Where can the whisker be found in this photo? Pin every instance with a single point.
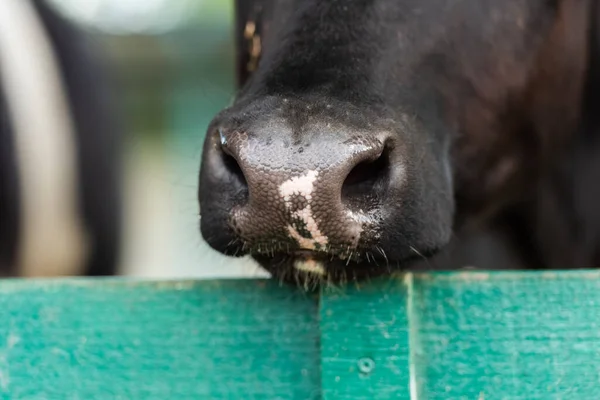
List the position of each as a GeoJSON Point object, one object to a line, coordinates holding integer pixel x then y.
{"type": "Point", "coordinates": [297, 277]}
{"type": "Point", "coordinates": [427, 261]}
{"type": "Point", "coordinates": [374, 259]}
{"type": "Point", "coordinates": [306, 282]}
{"type": "Point", "coordinates": [384, 255]}
{"type": "Point", "coordinates": [417, 252]}
{"type": "Point", "coordinates": [315, 283]}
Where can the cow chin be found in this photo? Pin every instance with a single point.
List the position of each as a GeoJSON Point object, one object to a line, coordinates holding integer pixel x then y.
{"type": "Point", "coordinates": [314, 269]}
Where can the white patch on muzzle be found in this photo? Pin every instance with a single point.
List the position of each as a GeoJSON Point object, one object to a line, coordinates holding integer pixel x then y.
{"type": "Point", "coordinates": [303, 185]}
{"type": "Point", "coordinates": [52, 237]}
{"type": "Point", "coordinates": [310, 266]}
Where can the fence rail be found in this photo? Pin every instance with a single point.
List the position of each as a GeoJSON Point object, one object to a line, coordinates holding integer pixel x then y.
{"type": "Point", "coordinates": [501, 335]}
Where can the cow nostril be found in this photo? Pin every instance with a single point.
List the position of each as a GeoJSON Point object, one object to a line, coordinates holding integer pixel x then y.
{"type": "Point", "coordinates": [366, 181]}
{"type": "Point", "coordinates": [234, 170]}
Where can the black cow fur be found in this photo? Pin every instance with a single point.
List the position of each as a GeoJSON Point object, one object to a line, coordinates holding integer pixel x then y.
{"type": "Point", "coordinates": [512, 87]}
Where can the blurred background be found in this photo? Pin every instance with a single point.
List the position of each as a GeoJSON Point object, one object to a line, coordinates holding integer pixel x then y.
{"type": "Point", "coordinates": [174, 62]}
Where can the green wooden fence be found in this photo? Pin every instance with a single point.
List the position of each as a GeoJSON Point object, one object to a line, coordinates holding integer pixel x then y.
{"type": "Point", "coordinates": [503, 335]}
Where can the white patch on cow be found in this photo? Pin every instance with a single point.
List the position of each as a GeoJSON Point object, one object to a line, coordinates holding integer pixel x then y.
{"type": "Point", "coordinates": [311, 225]}
{"type": "Point", "coordinates": [303, 185]}
{"type": "Point", "coordinates": [299, 185]}
{"type": "Point", "coordinates": [310, 265]}
{"type": "Point", "coordinates": [303, 242]}
{"type": "Point", "coordinates": [52, 238]}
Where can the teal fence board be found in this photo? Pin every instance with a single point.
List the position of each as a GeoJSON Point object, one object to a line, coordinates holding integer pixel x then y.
{"type": "Point", "coordinates": [180, 340]}
{"type": "Point", "coordinates": [365, 343]}
{"type": "Point", "coordinates": [504, 335]}
{"type": "Point", "coordinates": [507, 336]}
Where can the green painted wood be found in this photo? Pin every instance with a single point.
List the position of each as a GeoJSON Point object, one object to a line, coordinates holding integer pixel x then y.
{"type": "Point", "coordinates": [506, 336]}
{"type": "Point", "coordinates": [365, 342]}
{"type": "Point", "coordinates": [172, 340]}
{"type": "Point", "coordinates": [503, 335]}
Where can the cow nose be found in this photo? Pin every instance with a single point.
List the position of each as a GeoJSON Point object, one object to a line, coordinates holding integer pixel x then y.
{"type": "Point", "coordinates": [314, 195]}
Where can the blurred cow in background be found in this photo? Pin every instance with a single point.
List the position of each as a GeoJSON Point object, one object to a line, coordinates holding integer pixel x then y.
{"type": "Point", "coordinates": [60, 201]}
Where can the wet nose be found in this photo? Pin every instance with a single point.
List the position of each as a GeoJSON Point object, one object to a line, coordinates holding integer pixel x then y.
{"type": "Point", "coordinates": [314, 194]}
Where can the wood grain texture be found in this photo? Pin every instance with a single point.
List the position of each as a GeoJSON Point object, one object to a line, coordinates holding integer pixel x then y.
{"type": "Point", "coordinates": [506, 336]}
{"type": "Point", "coordinates": [503, 335]}
{"type": "Point", "coordinates": [172, 340]}
{"type": "Point", "coordinates": [364, 343]}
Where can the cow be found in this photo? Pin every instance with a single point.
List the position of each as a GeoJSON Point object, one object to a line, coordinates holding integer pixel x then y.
{"type": "Point", "coordinates": [60, 133]}
{"type": "Point", "coordinates": [375, 136]}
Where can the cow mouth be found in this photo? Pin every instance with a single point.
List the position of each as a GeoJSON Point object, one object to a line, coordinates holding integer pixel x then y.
{"type": "Point", "coordinates": [311, 269]}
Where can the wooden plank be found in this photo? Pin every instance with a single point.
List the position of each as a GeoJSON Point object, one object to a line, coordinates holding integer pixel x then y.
{"type": "Point", "coordinates": [506, 336]}
{"type": "Point", "coordinates": [502, 335]}
{"type": "Point", "coordinates": [365, 342]}
{"type": "Point", "coordinates": [115, 339]}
